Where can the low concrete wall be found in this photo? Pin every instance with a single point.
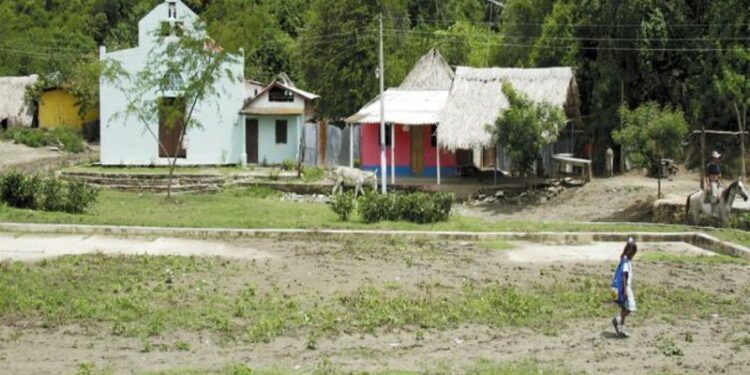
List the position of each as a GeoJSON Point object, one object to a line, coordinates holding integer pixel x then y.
{"type": "Point", "coordinates": [699, 239]}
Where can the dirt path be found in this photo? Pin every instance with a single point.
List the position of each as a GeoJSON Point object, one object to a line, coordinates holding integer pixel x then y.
{"type": "Point", "coordinates": [28, 159]}
{"type": "Point", "coordinates": [321, 270]}
{"type": "Point", "coordinates": [620, 198]}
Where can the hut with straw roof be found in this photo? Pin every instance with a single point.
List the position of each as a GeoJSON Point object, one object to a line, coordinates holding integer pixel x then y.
{"type": "Point", "coordinates": [14, 111]}
{"type": "Point", "coordinates": [476, 100]}
{"type": "Point", "coordinates": [411, 115]}
{"type": "Point", "coordinates": [437, 119]}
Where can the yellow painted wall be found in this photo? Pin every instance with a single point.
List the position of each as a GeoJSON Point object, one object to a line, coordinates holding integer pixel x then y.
{"type": "Point", "coordinates": [57, 107]}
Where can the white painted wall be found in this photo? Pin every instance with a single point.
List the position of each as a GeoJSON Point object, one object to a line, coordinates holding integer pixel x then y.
{"type": "Point", "coordinates": [263, 102]}
{"type": "Point", "coordinates": [126, 141]}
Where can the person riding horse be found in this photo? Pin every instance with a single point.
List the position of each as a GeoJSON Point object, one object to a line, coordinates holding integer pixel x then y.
{"type": "Point", "coordinates": [713, 177]}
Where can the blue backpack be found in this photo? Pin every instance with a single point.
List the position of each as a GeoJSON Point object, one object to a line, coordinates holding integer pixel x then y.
{"type": "Point", "coordinates": [617, 284]}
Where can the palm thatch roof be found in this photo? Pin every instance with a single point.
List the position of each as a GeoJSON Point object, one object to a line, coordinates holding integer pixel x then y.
{"type": "Point", "coordinates": [431, 72]}
{"type": "Point", "coordinates": [476, 100]}
{"type": "Point", "coordinates": [13, 107]}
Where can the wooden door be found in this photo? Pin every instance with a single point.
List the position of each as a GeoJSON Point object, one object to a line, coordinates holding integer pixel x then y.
{"type": "Point", "coordinates": [251, 140]}
{"type": "Point", "coordinates": [417, 150]}
{"type": "Point", "coordinates": [171, 127]}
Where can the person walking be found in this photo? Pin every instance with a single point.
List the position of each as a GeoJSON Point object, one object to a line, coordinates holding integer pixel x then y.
{"type": "Point", "coordinates": [623, 282]}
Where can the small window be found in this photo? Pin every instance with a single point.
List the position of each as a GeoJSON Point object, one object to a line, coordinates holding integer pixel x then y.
{"type": "Point", "coordinates": [172, 80]}
{"type": "Point", "coordinates": [178, 29]}
{"type": "Point", "coordinates": [433, 135]}
{"type": "Point", "coordinates": [279, 94]}
{"type": "Point", "coordinates": [172, 28]}
{"type": "Point", "coordinates": [165, 29]}
{"type": "Point", "coordinates": [172, 10]}
{"type": "Point", "coordinates": [281, 128]}
{"type": "Point", "coordinates": [387, 134]}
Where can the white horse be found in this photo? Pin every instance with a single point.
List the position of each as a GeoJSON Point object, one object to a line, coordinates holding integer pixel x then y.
{"type": "Point", "coordinates": [696, 202]}
{"type": "Point", "coordinates": [354, 177]}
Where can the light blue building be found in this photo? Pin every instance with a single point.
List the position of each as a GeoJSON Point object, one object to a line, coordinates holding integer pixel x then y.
{"type": "Point", "coordinates": [274, 120]}
{"type": "Point", "coordinates": [127, 141]}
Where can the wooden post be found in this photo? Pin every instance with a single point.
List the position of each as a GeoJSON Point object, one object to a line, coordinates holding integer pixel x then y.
{"type": "Point", "coordinates": [351, 145]}
{"type": "Point", "coordinates": [393, 154]}
{"type": "Point", "coordinates": [437, 151]}
{"type": "Point", "coordinates": [703, 157]}
{"type": "Point", "coordinates": [322, 142]}
{"type": "Point", "coordinates": [742, 141]}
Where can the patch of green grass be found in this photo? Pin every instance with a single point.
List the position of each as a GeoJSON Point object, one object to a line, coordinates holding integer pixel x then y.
{"type": "Point", "coordinates": [497, 245]}
{"type": "Point", "coordinates": [666, 257]}
{"type": "Point", "coordinates": [483, 367]}
{"type": "Point", "coordinates": [261, 208]}
{"type": "Point", "coordinates": [313, 174]}
{"type": "Point", "coordinates": [147, 296]}
{"type": "Point", "coordinates": [669, 348]}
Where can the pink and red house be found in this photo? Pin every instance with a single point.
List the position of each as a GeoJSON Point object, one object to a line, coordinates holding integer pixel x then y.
{"type": "Point", "coordinates": [411, 118]}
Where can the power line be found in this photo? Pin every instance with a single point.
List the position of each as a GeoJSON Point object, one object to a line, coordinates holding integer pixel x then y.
{"type": "Point", "coordinates": [623, 25]}
{"type": "Point", "coordinates": [458, 39]}
{"type": "Point", "coordinates": [583, 38]}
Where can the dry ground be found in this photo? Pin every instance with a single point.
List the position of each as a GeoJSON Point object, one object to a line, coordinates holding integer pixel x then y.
{"type": "Point", "coordinates": [18, 156]}
{"type": "Point", "coordinates": [621, 198]}
{"type": "Point", "coordinates": [697, 338]}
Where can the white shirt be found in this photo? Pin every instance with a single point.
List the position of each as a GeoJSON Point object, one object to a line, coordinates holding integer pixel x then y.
{"type": "Point", "coordinates": [626, 267]}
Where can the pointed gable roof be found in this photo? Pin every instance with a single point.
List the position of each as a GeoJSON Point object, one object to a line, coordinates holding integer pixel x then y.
{"type": "Point", "coordinates": [431, 72]}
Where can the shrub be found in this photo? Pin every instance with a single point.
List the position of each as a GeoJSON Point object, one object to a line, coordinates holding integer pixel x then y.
{"type": "Point", "coordinates": [288, 165]}
{"type": "Point", "coordinates": [425, 208]}
{"type": "Point", "coordinates": [68, 139]}
{"type": "Point", "coordinates": [342, 205]}
{"type": "Point", "coordinates": [80, 197]}
{"type": "Point", "coordinates": [19, 191]}
{"type": "Point", "coordinates": [372, 207]}
{"type": "Point", "coordinates": [419, 207]}
{"type": "Point", "coordinates": [52, 195]}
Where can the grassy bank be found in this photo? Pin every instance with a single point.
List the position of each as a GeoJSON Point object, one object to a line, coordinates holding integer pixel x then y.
{"type": "Point", "coordinates": [261, 208]}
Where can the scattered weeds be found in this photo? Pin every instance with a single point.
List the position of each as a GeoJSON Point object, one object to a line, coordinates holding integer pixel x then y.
{"type": "Point", "coordinates": [662, 256]}
{"type": "Point", "coordinates": [668, 348]}
{"type": "Point", "coordinates": [496, 245]}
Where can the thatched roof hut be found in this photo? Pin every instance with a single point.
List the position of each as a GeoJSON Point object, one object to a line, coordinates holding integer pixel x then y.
{"type": "Point", "coordinates": [13, 109]}
{"type": "Point", "coordinates": [431, 72]}
{"type": "Point", "coordinates": [476, 100]}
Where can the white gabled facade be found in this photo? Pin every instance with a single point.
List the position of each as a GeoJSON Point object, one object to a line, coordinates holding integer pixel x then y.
{"type": "Point", "coordinates": [126, 141]}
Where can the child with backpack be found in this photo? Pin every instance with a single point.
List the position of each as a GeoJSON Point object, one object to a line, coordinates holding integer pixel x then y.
{"type": "Point", "coordinates": [622, 287]}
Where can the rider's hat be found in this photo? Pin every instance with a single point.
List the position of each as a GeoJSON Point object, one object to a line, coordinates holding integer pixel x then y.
{"type": "Point", "coordinates": [716, 155]}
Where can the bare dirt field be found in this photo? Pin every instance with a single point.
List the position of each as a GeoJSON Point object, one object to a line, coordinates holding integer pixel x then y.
{"type": "Point", "coordinates": [361, 305]}
{"type": "Point", "coordinates": [621, 198]}
{"type": "Point", "coordinates": [17, 156]}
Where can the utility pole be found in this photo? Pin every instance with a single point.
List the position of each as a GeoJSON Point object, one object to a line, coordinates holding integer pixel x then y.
{"type": "Point", "coordinates": [622, 147]}
{"type": "Point", "coordinates": [703, 157]}
{"type": "Point", "coordinates": [381, 74]}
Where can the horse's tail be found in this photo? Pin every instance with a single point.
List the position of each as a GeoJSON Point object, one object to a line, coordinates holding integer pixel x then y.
{"type": "Point", "coordinates": [687, 206]}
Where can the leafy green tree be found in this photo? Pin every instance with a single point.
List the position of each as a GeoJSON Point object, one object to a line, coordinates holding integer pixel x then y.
{"type": "Point", "coordinates": [557, 45]}
{"type": "Point", "coordinates": [186, 68]}
{"type": "Point", "coordinates": [651, 133]}
{"type": "Point", "coordinates": [734, 85]}
{"type": "Point", "coordinates": [340, 51]}
{"type": "Point", "coordinates": [525, 128]}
